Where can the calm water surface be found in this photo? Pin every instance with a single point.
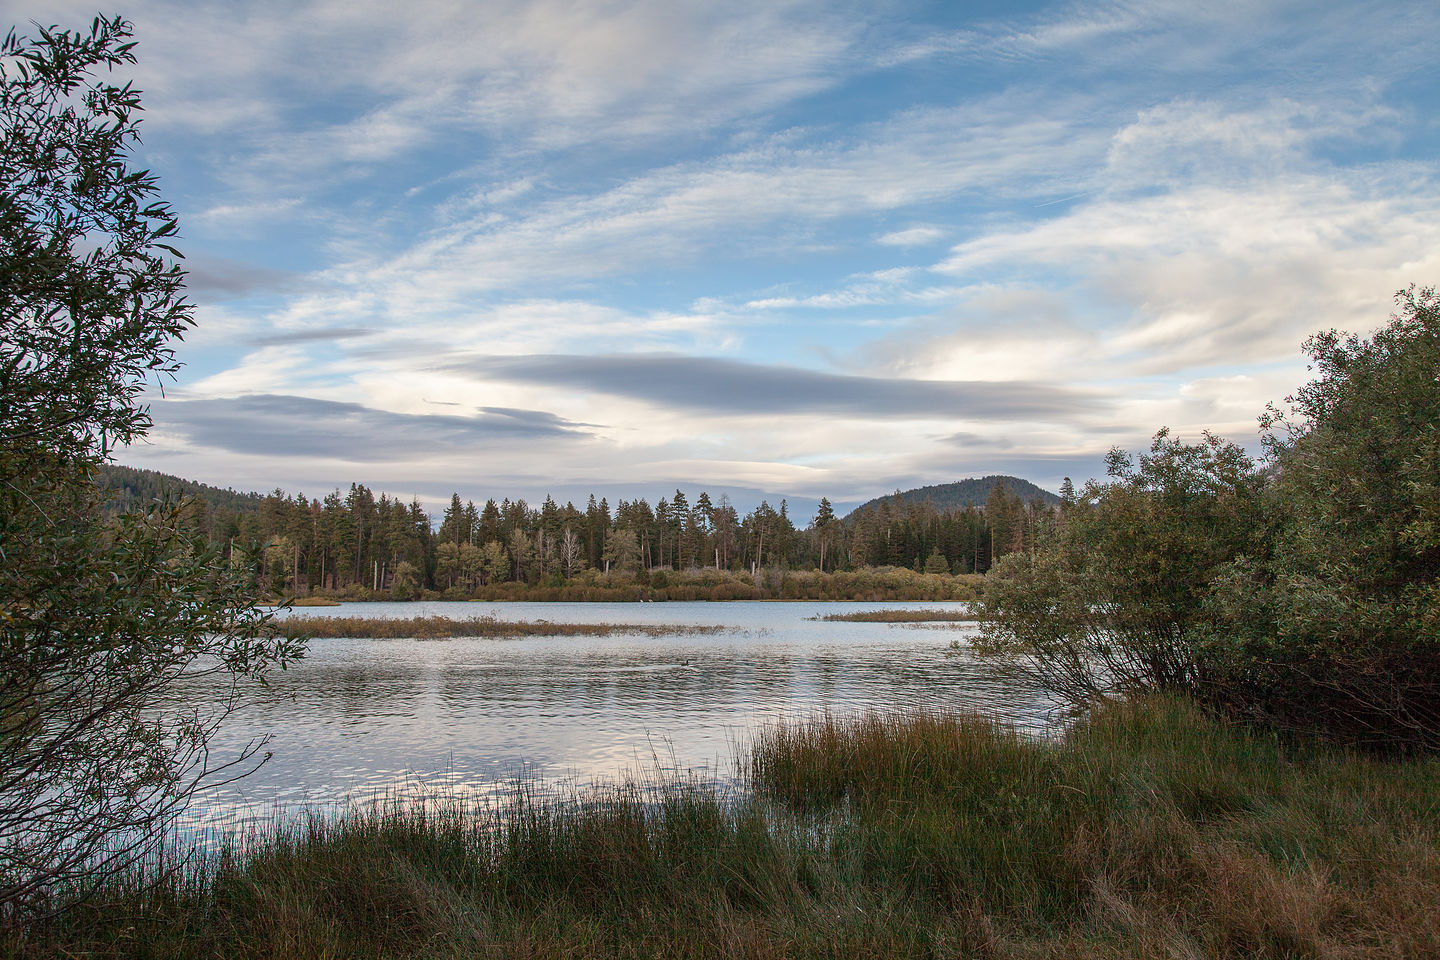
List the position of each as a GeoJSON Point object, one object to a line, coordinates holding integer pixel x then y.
{"type": "Point", "coordinates": [363, 718]}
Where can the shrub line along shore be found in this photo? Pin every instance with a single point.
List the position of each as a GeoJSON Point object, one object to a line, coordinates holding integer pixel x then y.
{"type": "Point", "coordinates": [875, 584]}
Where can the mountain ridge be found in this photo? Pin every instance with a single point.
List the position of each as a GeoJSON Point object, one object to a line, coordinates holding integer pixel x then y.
{"type": "Point", "coordinates": [959, 494]}
{"type": "Point", "coordinates": [132, 486]}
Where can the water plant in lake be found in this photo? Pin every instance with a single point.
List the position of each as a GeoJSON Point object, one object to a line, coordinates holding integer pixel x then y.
{"type": "Point", "coordinates": [900, 616]}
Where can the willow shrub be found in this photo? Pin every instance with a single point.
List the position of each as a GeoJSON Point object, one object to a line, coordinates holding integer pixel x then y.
{"type": "Point", "coordinates": [1113, 598]}
{"type": "Point", "coordinates": [1336, 628]}
{"type": "Point", "coordinates": [1302, 592]}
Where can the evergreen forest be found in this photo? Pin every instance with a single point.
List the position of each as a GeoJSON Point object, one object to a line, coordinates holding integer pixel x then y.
{"type": "Point", "coordinates": [359, 543]}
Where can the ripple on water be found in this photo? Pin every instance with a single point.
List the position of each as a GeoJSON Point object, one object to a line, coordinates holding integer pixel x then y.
{"type": "Point", "coordinates": [406, 718]}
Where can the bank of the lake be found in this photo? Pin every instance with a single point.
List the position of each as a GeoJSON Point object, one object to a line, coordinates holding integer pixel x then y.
{"type": "Point", "coordinates": [1147, 831]}
{"type": "Point", "coordinates": [705, 583]}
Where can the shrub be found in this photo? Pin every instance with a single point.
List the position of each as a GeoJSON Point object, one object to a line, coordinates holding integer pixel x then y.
{"type": "Point", "coordinates": [1337, 626]}
{"type": "Point", "coordinates": [1112, 599]}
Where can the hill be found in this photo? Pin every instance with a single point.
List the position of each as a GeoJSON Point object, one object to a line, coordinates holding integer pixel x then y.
{"type": "Point", "coordinates": [132, 486]}
{"type": "Point", "coordinates": [964, 493]}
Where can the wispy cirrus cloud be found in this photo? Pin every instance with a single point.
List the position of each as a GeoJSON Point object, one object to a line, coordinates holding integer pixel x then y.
{"type": "Point", "coordinates": [737, 238]}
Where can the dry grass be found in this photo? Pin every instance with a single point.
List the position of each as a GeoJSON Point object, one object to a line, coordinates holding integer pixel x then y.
{"type": "Point", "coordinates": [1149, 831]}
{"type": "Point", "coordinates": [434, 628]}
{"type": "Point", "coordinates": [900, 616]}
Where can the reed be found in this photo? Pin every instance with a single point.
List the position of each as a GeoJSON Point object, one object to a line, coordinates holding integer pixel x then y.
{"type": "Point", "coordinates": [900, 616]}
{"type": "Point", "coordinates": [1147, 830]}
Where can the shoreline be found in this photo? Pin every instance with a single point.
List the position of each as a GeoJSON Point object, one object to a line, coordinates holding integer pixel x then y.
{"type": "Point", "coordinates": [889, 835]}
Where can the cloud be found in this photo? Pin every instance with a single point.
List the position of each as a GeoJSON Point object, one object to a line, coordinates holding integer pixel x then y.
{"type": "Point", "coordinates": [694, 191]}
{"type": "Point", "coordinates": [772, 195]}
{"type": "Point", "coordinates": [215, 279]}
{"type": "Point", "coordinates": [913, 237]}
{"type": "Point", "coordinates": [229, 215]}
{"type": "Point", "coordinates": [514, 76]}
{"type": "Point", "coordinates": [314, 335]}
{"type": "Point", "coordinates": [289, 426]}
{"type": "Point", "coordinates": [1207, 275]}
{"type": "Point", "coordinates": [730, 387]}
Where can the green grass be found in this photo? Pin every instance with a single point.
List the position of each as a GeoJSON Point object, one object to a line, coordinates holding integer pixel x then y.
{"type": "Point", "coordinates": [1148, 831]}
{"type": "Point", "coordinates": [431, 628]}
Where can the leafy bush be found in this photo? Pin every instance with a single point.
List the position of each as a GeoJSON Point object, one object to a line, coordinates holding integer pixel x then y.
{"type": "Point", "coordinates": [1112, 600]}
{"type": "Point", "coordinates": [98, 621]}
{"type": "Point", "coordinates": [1337, 626]}
{"type": "Point", "coordinates": [1304, 593]}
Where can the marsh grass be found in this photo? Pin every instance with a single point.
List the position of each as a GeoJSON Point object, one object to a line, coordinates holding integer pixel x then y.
{"type": "Point", "coordinates": [900, 616]}
{"type": "Point", "coordinates": [1147, 831]}
{"type": "Point", "coordinates": [432, 628]}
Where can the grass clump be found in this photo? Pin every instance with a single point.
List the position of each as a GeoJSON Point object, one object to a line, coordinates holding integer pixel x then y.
{"type": "Point", "coordinates": [1148, 830]}
{"type": "Point", "coordinates": [433, 628]}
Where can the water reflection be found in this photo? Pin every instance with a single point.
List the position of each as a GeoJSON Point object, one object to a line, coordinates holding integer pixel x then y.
{"type": "Point", "coordinates": [367, 717]}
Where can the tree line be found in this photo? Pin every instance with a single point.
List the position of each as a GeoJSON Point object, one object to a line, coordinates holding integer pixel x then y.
{"type": "Point", "coordinates": [353, 541]}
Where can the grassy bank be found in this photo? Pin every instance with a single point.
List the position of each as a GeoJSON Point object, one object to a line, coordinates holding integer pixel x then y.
{"type": "Point", "coordinates": [1149, 831]}
{"type": "Point", "coordinates": [868, 583]}
{"type": "Point", "coordinates": [434, 628]}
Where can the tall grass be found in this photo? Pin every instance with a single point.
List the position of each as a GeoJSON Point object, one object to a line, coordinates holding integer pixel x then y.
{"type": "Point", "coordinates": [1148, 830]}
{"type": "Point", "coordinates": [899, 616]}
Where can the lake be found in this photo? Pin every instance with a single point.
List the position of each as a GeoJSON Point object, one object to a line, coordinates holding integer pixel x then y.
{"type": "Point", "coordinates": [359, 719]}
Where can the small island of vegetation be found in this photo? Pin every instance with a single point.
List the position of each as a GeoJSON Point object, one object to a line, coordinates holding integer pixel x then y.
{"type": "Point", "coordinates": [900, 616]}
{"type": "Point", "coordinates": [432, 628]}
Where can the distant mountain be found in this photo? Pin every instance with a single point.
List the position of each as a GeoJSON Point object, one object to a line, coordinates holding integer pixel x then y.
{"type": "Point", "coordinates": [964, 493]}
{"type": "Point", "coordinates": [132, 487]}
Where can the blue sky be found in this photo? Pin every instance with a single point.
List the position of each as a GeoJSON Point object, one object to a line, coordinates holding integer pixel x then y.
{"type": "Point", "coordinates": [797, 248]}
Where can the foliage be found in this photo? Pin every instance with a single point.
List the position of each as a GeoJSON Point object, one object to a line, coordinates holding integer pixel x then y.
{"type": "Point", "coordinates": [1146, 831]}
{"type": "Point", "coordinates": [1337, 626]}
{"type": "Point", "coordinates": [129, 488]}
{"type": "Point", "coordinates": [963, 493]}
{"type": "Point", "coordinates": [99, 621]}
{"type": "Point", "coordinates": [352, 545]}
{"type": "Point", "coordinates": [1306, 593]}
{"type": "Point", "coordinates": [1112, 600]}
{"type": "Point", "coordinates": [88, 300]}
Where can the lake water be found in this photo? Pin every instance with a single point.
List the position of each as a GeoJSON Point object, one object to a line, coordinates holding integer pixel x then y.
{"type": "Point", "coordinates": [358, 719]}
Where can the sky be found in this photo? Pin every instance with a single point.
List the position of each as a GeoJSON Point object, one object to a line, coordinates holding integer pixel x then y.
{"type": "Point", "coordinates": [794, 249]}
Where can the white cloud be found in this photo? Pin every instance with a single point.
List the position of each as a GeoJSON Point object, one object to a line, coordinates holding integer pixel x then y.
{"type": "Point", "coordinates": [912, 237]}
{"type": "Point", "coordinates": [229, 214]}
{"type": "Point", "coordinates": [584, 177]}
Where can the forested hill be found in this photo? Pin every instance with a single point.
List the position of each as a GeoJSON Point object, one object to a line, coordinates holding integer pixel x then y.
{"type": "Point", "coordinates": [964, 493]}
{"type": "Point", "coordinates": [133, 487]}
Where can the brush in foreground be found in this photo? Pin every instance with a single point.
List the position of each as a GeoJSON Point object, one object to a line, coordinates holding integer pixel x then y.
{"type": "Point", "coordinates": [432, 628]}
{"type": "Point", "coordinates": [1148, 831]}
